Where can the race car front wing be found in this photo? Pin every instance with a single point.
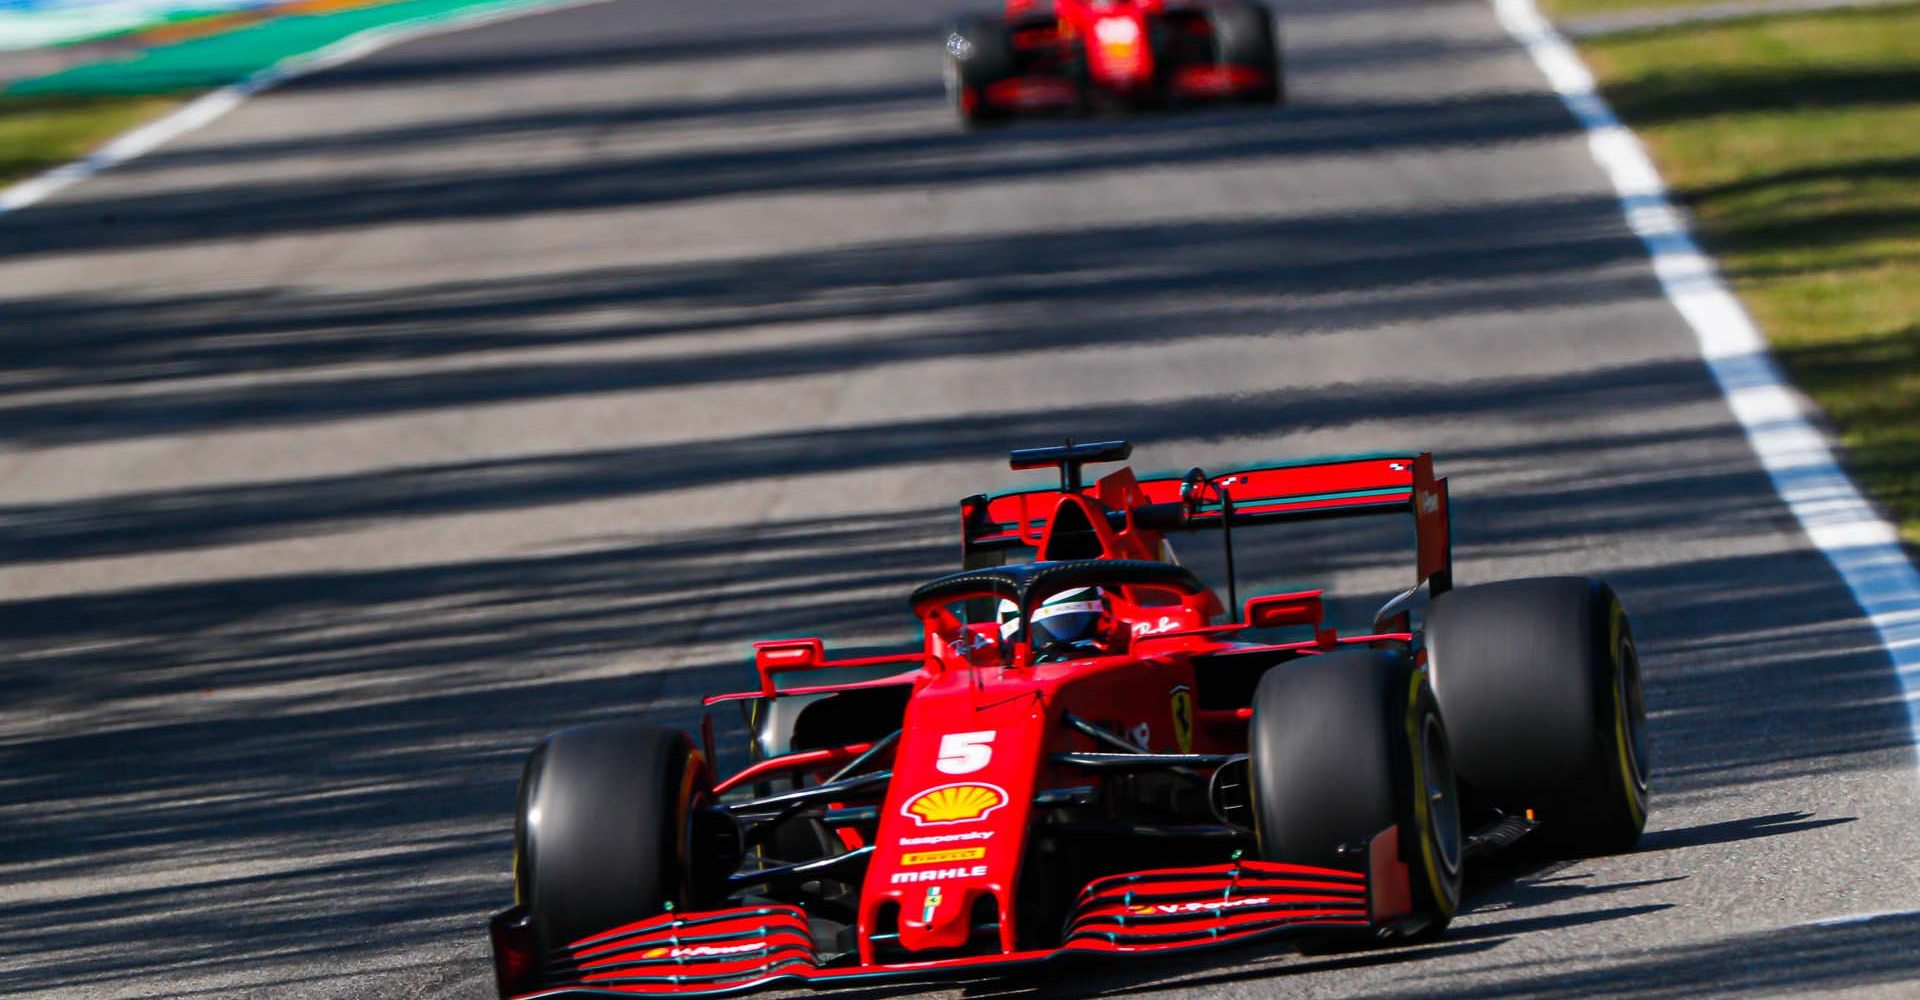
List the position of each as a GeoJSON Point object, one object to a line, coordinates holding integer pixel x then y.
{"type": "Point", "coordinates": [718, 952]}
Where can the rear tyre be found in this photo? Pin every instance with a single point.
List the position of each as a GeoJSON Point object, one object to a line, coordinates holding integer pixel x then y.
{"type": "Point", "coordinates": [605, 828]}
{"type": "Point", "coordinates": [1344, 745]}
{"type": "Point", "coordinates": [979, 54]}
{"type": "Point", "coordinates": [1244, 35]}
{"type": "Point", "coordinates": [1540, 682]}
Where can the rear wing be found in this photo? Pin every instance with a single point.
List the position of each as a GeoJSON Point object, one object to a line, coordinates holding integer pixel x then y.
{"type": "Point", "coordinates": [1308, 490]}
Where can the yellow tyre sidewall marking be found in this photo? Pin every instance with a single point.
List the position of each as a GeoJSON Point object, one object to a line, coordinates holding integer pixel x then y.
{"type": "Point", "coordinates": [1422, 817]}
{"type": "Point", "coordinates": [1616, 647]}
{"type": "Point", "coordinates": [683, 815]}
{"type": "Point", "coordinates": [519, 898]}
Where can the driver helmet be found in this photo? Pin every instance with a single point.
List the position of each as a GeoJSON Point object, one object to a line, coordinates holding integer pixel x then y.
{"type": "Point", "coordinates": [1073, 619]}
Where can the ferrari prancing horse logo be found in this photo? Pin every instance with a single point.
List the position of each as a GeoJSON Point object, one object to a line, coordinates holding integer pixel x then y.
{"type": "Point", "coordinates": [1181, 703]}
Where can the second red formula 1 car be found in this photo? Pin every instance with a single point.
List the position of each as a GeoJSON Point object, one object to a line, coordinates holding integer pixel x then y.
{"type": "Point", "coordinates": [1068, 55]}
{"type": "Point", "coordinates": [1089, 754]}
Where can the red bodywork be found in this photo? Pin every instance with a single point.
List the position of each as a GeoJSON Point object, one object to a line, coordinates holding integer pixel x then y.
{"type": "Point", "coordinates": [1128, 49]}
{"type": "Point", "coordinates": [994, 751]}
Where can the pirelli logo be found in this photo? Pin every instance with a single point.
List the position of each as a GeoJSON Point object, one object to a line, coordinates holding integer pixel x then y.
{"type": "Point", "coordinates": [943, 857]}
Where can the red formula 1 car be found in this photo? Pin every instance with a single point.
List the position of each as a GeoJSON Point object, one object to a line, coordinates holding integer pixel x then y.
{"type": "Point", "coordinates": [1066, 55]}
{"type": "Point", "coordinates": [1088, 754]}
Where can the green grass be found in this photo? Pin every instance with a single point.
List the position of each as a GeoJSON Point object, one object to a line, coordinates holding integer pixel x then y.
{"type": "Point", "coordinates": [38, 133]}
{"type": "Point", "coordinates": [1588, 8]}
{"type": "Point", "coordinates": [1795, 143]}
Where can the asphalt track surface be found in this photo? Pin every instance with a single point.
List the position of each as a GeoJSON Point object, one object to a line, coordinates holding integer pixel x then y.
{"type": "Point", "coordinates": [519, 376]}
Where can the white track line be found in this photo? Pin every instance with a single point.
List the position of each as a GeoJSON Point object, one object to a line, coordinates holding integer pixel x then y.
{"type": "Point", "coordinates": [1862, 546]}
{"type": "Point", "coordinates": [205, 109]}
{"type": "Point", "coordinates": [1852, 919]}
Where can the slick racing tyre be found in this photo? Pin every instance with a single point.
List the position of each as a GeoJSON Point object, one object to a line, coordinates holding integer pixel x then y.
{"type": "Point", "coordinates": [1344, 745]}
{"type": "Point", "coordinates": [1540, 684]}
{"type": "Point", "coordinates": [979, 54]}
{"type": "Point", "coordinates": [606, 827]}
{"type": "Point", "coordinates": [1244, 35]}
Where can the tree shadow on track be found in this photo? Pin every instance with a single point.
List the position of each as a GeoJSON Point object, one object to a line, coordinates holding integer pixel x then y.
{"type": "Point", "coordinates": [1272, 966]}
{"type": "Point", "coordinates": [1796, 960]}
{"type": "Point", "coordinates": [553, 43]}
{"type": "Point", "coordinates": [1801, 960]}
{"type": "Point", "coordinates": [1124, 975]}
{"type": "Point", "coordinates": [189, 518]}
{"type": "Point", "coordinates": [328, 759]}
{"type": "Point", "coordinates": [1741, 630]}
{"type": "Point", "coordinates": [259, 776]}
{"type": "Point", "coordinates": [1736, 830]}
{"type": "Point", "coordinates": [912, 160]}
{"type": "Point", "coordinates": [734, 111]}
{"type": "Point", "coordinates": [1109, 287]}
{"type": "Point", "coordinates": [376, 718]}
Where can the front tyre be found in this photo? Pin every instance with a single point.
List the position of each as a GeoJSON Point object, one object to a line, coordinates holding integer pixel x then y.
{"type": "Point", "coordinates": [1540, 680]}
{"type": "Point", "coordinates": [1244, 36]}
{"type": "Point", "coordinates": [979, 54]}
{"type": "Point", "coordinates": [605, 829]}
{"type": "Point", "coordinates": [1344, 745]}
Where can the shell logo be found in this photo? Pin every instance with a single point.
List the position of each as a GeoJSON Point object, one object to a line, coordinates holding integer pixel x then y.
{"type": "Point", "coordinates": [966, 802]}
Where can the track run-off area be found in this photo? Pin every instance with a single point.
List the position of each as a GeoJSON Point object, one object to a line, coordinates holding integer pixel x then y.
{"type": "Point", "coordinates": [519, 376]}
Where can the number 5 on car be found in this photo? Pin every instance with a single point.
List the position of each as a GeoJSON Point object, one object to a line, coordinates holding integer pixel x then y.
{"type": "Point", "coordinates": [964, 753]}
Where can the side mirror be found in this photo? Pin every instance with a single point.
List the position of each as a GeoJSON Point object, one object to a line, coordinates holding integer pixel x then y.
{"type": "Point", "coordinates": [1281, 610]}
{"type": "Point", "coordinates": [780, 656]}
{"type": "Point", "coordinates": [1193, 487]}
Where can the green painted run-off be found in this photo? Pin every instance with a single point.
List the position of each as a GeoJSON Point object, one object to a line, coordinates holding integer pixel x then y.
{"type": "Point", "coordinates": [205, 63]}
